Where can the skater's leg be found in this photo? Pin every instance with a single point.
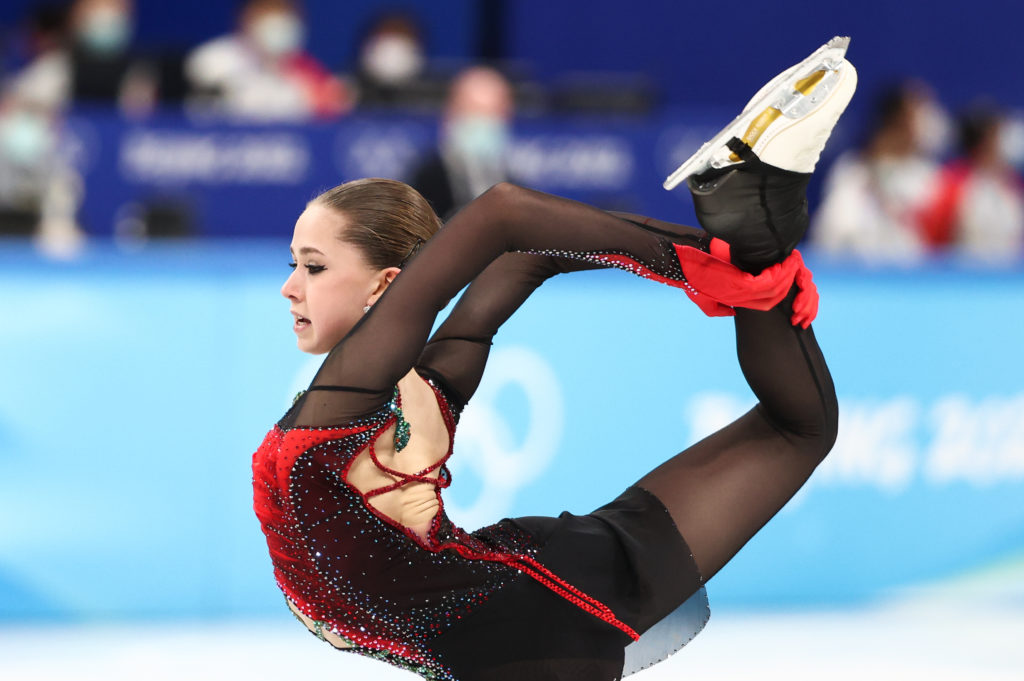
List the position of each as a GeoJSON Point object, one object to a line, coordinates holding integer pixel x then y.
{"type": "Point", "coordinates": [748, 185]}
{"type": "Point", "coordinates": [723, 489]}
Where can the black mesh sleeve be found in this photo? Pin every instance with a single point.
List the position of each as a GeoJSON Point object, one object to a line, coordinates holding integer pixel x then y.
{"type": "Point", "coordinates": [542, 232]}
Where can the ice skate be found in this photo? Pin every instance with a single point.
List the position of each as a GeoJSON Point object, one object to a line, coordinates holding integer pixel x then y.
{"type": "Point", "coordinates": [787, 123]}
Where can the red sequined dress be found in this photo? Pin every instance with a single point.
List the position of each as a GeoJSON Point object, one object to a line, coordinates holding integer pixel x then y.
{"type": "Point", "coordinates": [436, 603]}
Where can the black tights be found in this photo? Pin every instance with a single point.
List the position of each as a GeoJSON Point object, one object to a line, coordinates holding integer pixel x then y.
{"type": "Point", "coordinates": [723, 489]}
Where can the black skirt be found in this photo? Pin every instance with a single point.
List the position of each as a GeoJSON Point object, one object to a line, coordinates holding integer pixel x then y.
{"type": "Point", "coordinates": [627, 554]}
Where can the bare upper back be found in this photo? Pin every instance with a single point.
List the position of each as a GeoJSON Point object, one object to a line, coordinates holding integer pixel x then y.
{"type": "Point", "coordinates": [413, 504]}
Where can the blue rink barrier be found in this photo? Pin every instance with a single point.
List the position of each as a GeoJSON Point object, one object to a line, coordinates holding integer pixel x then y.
{"type": "Point", "coordinates": [137, 386]}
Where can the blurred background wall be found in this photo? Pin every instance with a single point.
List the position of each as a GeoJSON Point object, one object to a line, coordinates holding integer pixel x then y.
{"type": "Point", "coordinates": [699, 53]}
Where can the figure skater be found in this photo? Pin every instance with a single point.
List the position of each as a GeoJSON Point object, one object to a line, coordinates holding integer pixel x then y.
{"type": "Point", "coordinates": [348, 483]}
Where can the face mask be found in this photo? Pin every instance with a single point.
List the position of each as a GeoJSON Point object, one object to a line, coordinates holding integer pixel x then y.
{"type": "Point", "coordinates": [278, 34]}
{"type": "Point", "coordinates": [25, 138]}
{"type": "Point", "coordinates": [481, 137]}
{"type": "Point", "coordinates": [1011, 141]}
{"type": "Point", "coordinates": [105, 30]}
{"type": "Point", "coordinates": [392, 58]}
{"type": "Point", "coordinates": [932, 129]}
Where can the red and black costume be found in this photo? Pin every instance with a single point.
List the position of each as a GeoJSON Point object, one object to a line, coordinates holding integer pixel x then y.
{"type": "Point", "coordinates": [538, 598]}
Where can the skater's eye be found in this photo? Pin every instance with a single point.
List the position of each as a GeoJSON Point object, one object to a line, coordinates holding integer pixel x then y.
{"type": "Point", "coordinates": [311, 268]}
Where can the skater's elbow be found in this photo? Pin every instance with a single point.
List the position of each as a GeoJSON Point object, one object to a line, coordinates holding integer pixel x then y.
{"type": "Point", "coordinates": [503, 196]}
{"type": "Point", "coordinates": [511, 211]}
{"type": "Point", "coordinates": [500, 205]}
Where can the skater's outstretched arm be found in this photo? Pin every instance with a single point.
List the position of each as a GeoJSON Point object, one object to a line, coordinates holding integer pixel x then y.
{"type": "Point", "coordinates": [362, 369]}
{"type": "Point", "coordinates": [458, 350]}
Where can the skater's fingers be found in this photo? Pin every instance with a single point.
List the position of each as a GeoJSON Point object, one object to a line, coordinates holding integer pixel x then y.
{"type": "Point", "coordinates": [767, 299]}
{"type": "Point", "coordinates": [772, 285]}
{"type": "Point", "coordinates": [805, 303]}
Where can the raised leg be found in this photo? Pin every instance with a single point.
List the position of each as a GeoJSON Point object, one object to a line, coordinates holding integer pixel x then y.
{"type": "Point", "coordinates": [748, 186]}
{"type": "Point", "coordinates": [723, 489]}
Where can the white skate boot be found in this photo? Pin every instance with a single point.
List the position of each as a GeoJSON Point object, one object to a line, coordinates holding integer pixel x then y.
{"type": "Point", "coordinates": [788, 121]}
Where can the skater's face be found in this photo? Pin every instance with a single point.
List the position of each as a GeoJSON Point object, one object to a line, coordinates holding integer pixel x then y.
{"type": "Point", "coordinates": [331, 283]}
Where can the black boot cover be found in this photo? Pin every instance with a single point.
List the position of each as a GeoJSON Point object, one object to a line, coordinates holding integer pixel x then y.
{"type": "Point", "coordinates": [758, 209]}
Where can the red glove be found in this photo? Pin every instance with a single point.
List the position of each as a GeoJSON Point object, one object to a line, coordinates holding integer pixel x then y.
{"type": "Point", "coordinates": [718, 286]}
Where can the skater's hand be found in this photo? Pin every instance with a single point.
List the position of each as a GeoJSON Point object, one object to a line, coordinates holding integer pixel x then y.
{"type": "Point", "coordinates": [718, 286]}
{"type": "Point", "coordinates": [805, 304]}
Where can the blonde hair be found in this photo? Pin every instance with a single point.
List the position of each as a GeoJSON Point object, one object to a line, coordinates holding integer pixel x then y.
{"type": "Point", "coordinates": [385, 219]}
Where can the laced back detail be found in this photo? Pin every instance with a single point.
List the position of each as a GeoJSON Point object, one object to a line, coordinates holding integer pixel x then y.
{"type": "Point", "coordinates": [442, 480]}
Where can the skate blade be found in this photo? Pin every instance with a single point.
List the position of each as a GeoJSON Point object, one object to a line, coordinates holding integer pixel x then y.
{"type": "Point", "coordinates": [785, 94]}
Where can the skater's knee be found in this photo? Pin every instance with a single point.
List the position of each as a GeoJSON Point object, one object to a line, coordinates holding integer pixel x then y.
{"type": "Point", "coordinates": [824, 437]}
{"type": "Point", "coordinates": [831, 429]}
{"type": "Point", "coordinates": [813, 430]}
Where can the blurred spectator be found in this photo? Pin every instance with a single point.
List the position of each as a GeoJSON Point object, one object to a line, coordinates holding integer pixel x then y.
{"type": "Point", "coordinates": [46, 75]}
{"type": "Point", "coordinates": [874, 197]}
{"type": "Point", "coordinates": [261, 71]}
{"type": "Point", "coordinates": [978, 206]}
{"type": "Point", "coordinates": [95, 63]}
{"type": "Point", "coordinates": [473, 141]}
{"type": "Point", "coordinates": [392, 65]}
{"type": "Point", "coordinates": [43, 30]}
{"type": "Point", "coordinates": [104, 67]}
{"type": "Point", "coordinates": [39, 190]}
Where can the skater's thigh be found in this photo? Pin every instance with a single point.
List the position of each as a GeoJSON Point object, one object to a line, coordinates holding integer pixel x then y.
{"type": "Point", "coordinates": [723, 489]}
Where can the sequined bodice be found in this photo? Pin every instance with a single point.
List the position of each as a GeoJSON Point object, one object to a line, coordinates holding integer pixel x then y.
{"type": "Point", "coordinates": [383, 587]}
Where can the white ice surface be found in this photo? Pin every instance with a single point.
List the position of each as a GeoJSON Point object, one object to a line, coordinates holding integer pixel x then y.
{"type": "Point", "coordinates": [932, 641]}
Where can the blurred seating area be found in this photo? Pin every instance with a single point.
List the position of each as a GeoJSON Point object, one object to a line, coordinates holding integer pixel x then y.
{"type": "Point", "coordinates": [120, 120]}
{"type": "Point", "coordinates": [922, 182]}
